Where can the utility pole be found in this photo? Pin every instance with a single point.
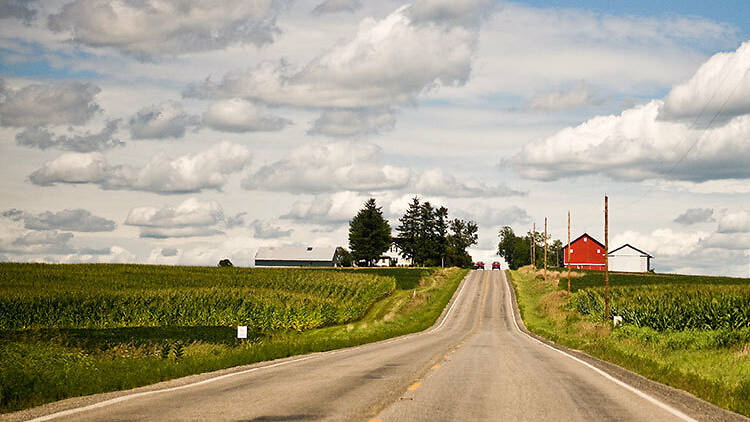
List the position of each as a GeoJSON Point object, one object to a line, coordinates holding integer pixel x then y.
{"type": "Point", "coordinates": [568, 253]}
{"type": "Point", "coordinates": [606, 257]}
{"type": "Point", "coordinates": [545, 248]}
{"type": "Point", "coordinates": [533, 247]}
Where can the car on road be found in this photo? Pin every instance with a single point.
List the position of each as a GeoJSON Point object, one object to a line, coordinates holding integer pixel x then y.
{"type": "Point", "coordinates": [479, 265]}
{"type": "Point", "coordinates": [496, 265]}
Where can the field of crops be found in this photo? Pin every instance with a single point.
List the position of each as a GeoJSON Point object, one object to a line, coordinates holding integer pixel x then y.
{"type": "Point", "coordinates": [34, 296]}
{"type": "Point", "coordinates": [665, 301]}
{"type": "Point", "coordinates": [71, 330]}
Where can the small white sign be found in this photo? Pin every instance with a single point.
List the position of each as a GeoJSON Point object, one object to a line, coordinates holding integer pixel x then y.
{"type": "Point", "coordinates": [616, 320]}
{"type": "Point", "coordinates": [242, 331]}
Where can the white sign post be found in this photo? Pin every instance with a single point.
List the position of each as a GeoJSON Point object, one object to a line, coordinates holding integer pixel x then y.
{"type": "Point", "coordinates": [242, 331]}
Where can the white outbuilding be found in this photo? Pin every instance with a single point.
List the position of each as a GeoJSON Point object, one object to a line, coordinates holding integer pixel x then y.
{"type": "Point", "coordinates": [630, 259]}
{"type": "Point", "coordinates": [295, 256]}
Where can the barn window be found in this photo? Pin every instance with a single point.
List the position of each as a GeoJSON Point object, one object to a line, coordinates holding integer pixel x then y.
{"type": "Point", "coordinates": [571, 250]}
{"type": "Point", "coordinates": [598, 251]}
{"type": "Point", "coordinates": [585, 239]}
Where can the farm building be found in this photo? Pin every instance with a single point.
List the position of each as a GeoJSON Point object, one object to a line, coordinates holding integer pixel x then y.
{"type": "Point", "coordinates": [295, 256]}
{"type": "Point", "coordinates": [628, 258]}
{"type": "Point", "coordinates": [585, 253]}
{"type": "Point", "coordinates": [392, 257]}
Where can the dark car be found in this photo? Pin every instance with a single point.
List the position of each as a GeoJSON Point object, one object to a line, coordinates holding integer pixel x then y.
{"type": "Point", "coordinates": [479, 265]}
{"type": "Point", "coordinates": [496, 265]}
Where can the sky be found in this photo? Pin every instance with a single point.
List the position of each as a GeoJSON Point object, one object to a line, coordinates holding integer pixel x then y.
{"type": "Point", "coordinates": [182, 133]}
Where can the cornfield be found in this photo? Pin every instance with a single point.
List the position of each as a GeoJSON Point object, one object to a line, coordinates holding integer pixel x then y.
{"type": "Point", "coordinates": [670, 306]}
{"type": "Point", "coordinates": [113, 296]}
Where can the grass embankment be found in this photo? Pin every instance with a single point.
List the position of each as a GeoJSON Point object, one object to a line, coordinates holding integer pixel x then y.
{"type": "Point", "coordinates": [683, 331]}
{"type": "Point", "coordinates": [71, 330]}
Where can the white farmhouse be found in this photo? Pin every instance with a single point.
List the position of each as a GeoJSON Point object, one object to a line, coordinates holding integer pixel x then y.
{"type": "Point", "coordinates": [629, 259]}
{"type": "Point", "coordinates": [390, 258]}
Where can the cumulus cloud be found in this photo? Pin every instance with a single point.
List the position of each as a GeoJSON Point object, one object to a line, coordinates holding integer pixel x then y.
{"type": "Point", "coordinates": [645, 143]}
{"type": "Point", "coordinates": [79, 220]}
{"type": "Point", "coordinates": [341, 123]}
{"type": "Point", "coordinates": [436, 182]}
{"type": "Point", "coordinates": [349, 166]}
{"type": "Point", "coordinates": [208, 169]}
{"type": "Point", "coordinates": [38, 137]}
{"type": "Point", "coordinates": [695, 216]}
{"type": "Point", "coordinates": [326, 210]}
{"type": "Point", "coordinates": [165, 120]}
{"type": "Point", "coordinates": [335, 6]}
{"type": "Point", "coordinates": [38, 242]}
{"type": "Point", "coordinates": [662, 242]}
{"type": "Point", "coordinates": [735, 222]}
{"type": "Point", "coordinates": [64, 103]}
{"type": "Point", "coordinates": [329, 167]}
{"type": "Point", "coordinates": [160, 27]}
{"type": "Point", "coordinates": [18, 9]}
{"type": "Point", "coordinates": [389, 61]}
{"type": "Point", "coordinates": [579, 95]}
{"type": "Point", "coordinates": [72, 168]}
{"type": "Point", "coordinates": [266, 230]}
{"type": "Point", "coordinates": [635, 146]}
{"type": "Point", "coordinates": [189, 218]}
{"type": "Point", "coordinates": [238, 115]}
{"type": "Point", "coordinates": [721, 84]}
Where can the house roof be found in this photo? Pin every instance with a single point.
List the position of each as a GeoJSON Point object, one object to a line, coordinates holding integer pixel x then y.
{"type": "Point", "coordinates": [628, 245]}
{"type": "Point", "coordinates": [295, 253]}
{"type": "Point", "coordinates": [581, 237]}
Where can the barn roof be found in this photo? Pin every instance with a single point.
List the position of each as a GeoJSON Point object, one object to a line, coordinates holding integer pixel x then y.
{"type": "Point", "coordinates": [581, 237]}
{"type": "Point", "coordinates": [295, 253]}
{"type": "Point", "coordinates": [628, 245]}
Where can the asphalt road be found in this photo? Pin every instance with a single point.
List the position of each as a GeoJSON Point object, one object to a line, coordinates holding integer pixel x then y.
{"type": "Point", "coordinates": [475, 364]}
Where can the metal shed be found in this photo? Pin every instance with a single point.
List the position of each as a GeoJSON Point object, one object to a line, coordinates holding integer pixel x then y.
{"type": "Point", "coordinates": [295, 256]}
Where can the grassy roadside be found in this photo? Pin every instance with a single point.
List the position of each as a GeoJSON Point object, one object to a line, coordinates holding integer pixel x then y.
{"type": "Point", "coordinates": [697, 361]}
{"type": "Point", "coordinates": [40, 366]}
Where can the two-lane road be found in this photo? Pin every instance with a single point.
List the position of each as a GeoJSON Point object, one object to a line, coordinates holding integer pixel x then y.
{"type": "Point", "coordinates": [475, 364]}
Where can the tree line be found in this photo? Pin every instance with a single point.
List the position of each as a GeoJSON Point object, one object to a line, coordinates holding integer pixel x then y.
{"type": "Point", "coordinates": [517, 250]}
{"type": "Point", "coordinates": [425, 236]}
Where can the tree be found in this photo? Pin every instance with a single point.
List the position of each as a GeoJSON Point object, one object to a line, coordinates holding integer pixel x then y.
{"type": "Point", "coordinates": [516, 250]}
{"type": "Point", "coordinates": [369, 234]}
{"type": "Point", "coordinates": [463, 235]}
{"type": "Point", "coordinates": [343, 258]}
{"type": "Point", "coordinates": [441, 230]}
{"type": "Point", "coordinates": [409, 231]}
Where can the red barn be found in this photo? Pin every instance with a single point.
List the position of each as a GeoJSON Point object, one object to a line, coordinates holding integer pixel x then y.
{"type": "Point", "coordinates": [585, 253]}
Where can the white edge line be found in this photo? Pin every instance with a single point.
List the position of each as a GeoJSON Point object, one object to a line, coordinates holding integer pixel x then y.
{"type": "Point", "coordinates": [626, 386]}
{"type": "Point", "coordinates": [233, 374]}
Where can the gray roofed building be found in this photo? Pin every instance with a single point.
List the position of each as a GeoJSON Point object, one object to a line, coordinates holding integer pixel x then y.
{"type": "Point", "coordinates": [295, 256]}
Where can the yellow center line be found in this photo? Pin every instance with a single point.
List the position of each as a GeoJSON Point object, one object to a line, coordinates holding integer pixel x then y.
{"type": "Point", "coordinates": [413, 386]}
{"type": "Point", "coordinates": [436, 366]}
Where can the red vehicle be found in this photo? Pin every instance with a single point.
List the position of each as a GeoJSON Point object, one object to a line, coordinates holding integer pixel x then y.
{"type": "Point", "coordinates": [479, 265]}
{"type": "Point", "coordinates": [496, 265]}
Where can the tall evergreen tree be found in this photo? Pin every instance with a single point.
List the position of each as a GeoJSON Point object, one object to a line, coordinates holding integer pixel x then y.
{"type": "Point", "coordinates": [409, 231]}
{"type": "Point", "coordinates": [369, 234]}
{"type": "Point", "coordinates": [427, 243]}
{"type": "Point", "coordinates": [441, 231]}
